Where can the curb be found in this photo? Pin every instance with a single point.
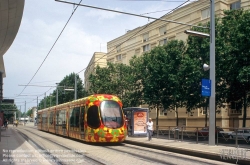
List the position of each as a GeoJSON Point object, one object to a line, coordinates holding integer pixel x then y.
{"type": "Point", "coordinates": [196, 153]}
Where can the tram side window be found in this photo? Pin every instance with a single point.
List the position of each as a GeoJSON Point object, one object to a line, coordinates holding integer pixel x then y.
{"type": "Point", "coordinates": [62, 118]}
{"type": "Point", "coordinates": [82, 118]}
{"type": "Point", "coordinates": [44, 118]}
{"type": "Point", "coordinates": [93, 117]}
{"type": "Point", "coordinates": [74, 117]}
{"type": "Point", "coordinates": [57, 118]}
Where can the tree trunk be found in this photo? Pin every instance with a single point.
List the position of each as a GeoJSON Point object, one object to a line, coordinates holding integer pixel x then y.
{"type": "Point", "coordinates": [157, 116]}
{"type": "Point", "coordinates": [245, 111]}
{"type": "Point", "coordinates": [177, 117]}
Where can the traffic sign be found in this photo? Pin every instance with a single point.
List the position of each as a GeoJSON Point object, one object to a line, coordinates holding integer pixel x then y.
{"type": "Point", "coordinates": [206, 87]}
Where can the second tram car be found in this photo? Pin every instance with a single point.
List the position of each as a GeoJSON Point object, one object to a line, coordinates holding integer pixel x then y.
{"type": "Point", "coordinates": [97, 118]}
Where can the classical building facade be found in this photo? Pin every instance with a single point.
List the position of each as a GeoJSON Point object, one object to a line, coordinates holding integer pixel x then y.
{"type": "Point", "coordinates": [144, 38]}
{"type": "Point", "coordinates": [98, 58]}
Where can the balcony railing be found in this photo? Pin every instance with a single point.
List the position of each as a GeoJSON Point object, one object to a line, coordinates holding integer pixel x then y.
{"type": "Point", "coordinates": [235, 112]}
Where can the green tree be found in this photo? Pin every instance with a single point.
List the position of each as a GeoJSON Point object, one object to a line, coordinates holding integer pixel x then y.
{"type": "Point", "coordinates": [233, 32]}
{"type": "Point", "coordinates": [65, 96]}
{"type": "Point", "coordinates": [198, 53]}
{"type": "Point", "coordinates": [198, 50]}
{"type": "Point", "coordinates": [29, 112]}
{"type": "Point", "coordinates": [114, 79]}
{"type": "Point", "coordinates": [101, 80]}
{"type": "Point", "coordinates": [135, 79]}
{"type": "Point", "coordinates": [154, 81]}
{"type": "Point", "coordinates": [162, 77]}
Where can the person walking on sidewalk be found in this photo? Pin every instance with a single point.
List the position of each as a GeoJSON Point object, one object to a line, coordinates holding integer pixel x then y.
{"type": "Point", "coordinates": [5, 124]}
{"type": "Point", "coordinates": [150, 129]}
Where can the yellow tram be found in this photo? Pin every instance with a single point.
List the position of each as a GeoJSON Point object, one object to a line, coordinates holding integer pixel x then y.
{"type": "Point", "coordinates": [96, 118]}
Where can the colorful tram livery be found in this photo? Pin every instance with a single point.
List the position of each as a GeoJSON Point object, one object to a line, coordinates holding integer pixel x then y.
{"type": "Point", "coordinates": [97, 118]}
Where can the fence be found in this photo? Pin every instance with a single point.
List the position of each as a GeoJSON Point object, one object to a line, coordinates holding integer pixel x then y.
{"type": "Point", "coordinates": [239, 136]}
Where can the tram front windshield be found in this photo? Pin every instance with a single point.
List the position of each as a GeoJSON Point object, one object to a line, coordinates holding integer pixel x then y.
{"type": "Point", "coordinates": [111, 114]}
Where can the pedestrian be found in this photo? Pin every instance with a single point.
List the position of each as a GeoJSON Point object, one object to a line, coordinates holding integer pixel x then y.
{"type": "Point", "coordinates": [126, 120]}
{"type": "Point", "coordinates": [5, 124]}
{"type": "Point", "coordinates": [14, 123]}
{"type": "Point", "coordinates": [150, 129]}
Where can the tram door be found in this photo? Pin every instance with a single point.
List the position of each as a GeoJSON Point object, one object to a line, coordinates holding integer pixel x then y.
{"type": "Point", "coordinates": [82, 122]}
{"type": "Point", "coordinates": [64, 122]}
{"type": "Point", "coordinates": [57, 122]}
{"type": "Point", "coordinates": [44, 121]}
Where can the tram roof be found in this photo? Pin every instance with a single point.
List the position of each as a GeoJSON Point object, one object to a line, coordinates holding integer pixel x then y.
{"type": "Point", "coordinates": [78, 101]}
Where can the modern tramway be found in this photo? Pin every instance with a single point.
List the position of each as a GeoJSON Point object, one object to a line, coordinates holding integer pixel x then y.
{"type": "Point", "coordinates": [97, 118]}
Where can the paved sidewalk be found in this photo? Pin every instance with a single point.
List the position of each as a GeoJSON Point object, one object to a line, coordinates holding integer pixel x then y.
{"type": "Point", "coordinates": [220, 153]}
{"type": "Point", "coordinates": [14, 146]}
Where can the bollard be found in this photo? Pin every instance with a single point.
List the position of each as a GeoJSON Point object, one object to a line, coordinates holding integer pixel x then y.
{"type": "Point", "coordinates": [176, 133]}
{"type": "Point", "coordinates": [197, 135]}
{"type": "Point", "coordinates": [169, 133]}
{"type": "Point", "coordinates": [182, 134]}
{"type": "Point", "coordinates": [217, 138]}
{"type": "Point", "coordinates": [236, 139]}
{"type": "Point", "coordinates": [157, 129]}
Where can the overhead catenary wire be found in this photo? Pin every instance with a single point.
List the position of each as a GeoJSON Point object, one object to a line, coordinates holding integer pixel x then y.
{"type": "Point", "coordinates": [35, 99]}
{"type": "Point", "coordinates": [130, 37]}
{"type": "Point", "coordinates": [51, 47]}
{"type": "Point", "coordinates": [98, 59]}
{"type": "Point", "coordinates": [116, 11]}
{"type": "Point", "coordinates": [155, 12]}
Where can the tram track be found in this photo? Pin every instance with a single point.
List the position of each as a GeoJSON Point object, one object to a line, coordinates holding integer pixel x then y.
{"type": "Point", "coordinates": [54, 157]}
{"type": "Point", "coordinates": [145, 154]}
{"type": "Point", "coordinates": [144, 151]}
{"type": "Point", "coordinates": [138, 156]}
{"type": "Point", "coordinates": [141, 157]}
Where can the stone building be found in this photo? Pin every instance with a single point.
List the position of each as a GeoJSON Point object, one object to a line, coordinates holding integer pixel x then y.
{"type": "Point", "coordinates": [145, 38]}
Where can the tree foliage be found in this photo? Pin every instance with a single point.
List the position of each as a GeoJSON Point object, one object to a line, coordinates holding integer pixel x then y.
{"type": "Point", "coordinates": [235, 54]}
{"type": "Point", "coordinates": [116, 79]}
{"type": "Point", "coordinates": [65, 96]}
{"type": "Point", "coordinates": [29, 112]}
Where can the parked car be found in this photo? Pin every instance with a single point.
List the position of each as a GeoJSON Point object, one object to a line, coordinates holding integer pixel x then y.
{"type": "Point", "coordinates": [242, 134]}
{"type": "Point", "coordinates": [204, 132]}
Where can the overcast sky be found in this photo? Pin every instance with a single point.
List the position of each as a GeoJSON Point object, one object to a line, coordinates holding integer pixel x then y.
{"type": "Point", "coordinates": [87, 32]}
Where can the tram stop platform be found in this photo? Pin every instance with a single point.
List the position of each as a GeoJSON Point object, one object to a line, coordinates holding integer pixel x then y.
{"type": "Point", "coordinates": [15, 150]}
{"type": "Point", "coordinates": [218, 152]}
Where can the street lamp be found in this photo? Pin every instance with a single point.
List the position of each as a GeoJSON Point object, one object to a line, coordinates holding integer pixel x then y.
{"type": "Point", "coordinates": [212, 72]}
{"type": "Point", "coordinates": [57, 93]}
{"type": "Point", "coordinates": [195, 33]}
{"type": "Point", "coordinates": [75, 87]}
{"type": "Point", "coordinates": [50, 99]}
{"type": "Point", "coordinates": [65, 89]}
